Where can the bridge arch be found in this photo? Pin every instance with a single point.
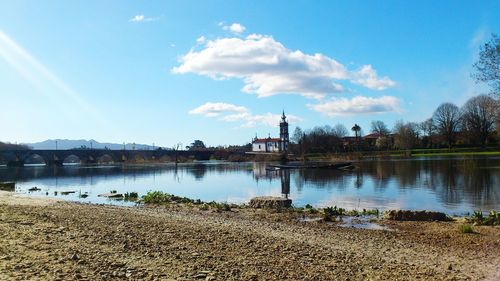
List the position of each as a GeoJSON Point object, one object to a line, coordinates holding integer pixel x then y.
{"type": "Point", "coordinates": [106, 158]}
{"type": "Point", "coordinates": [72, 159]}
{"type": "Point", "coordinates": [34, 158]}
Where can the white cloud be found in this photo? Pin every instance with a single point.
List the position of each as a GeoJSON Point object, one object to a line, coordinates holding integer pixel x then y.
{"type": "Point", "coordinates": [214, 109]}
{"type": "Point", "coordinates": [367, 76]}
{"type": "Point", "coordinates": [235, 28]}
{"type": "Point", "coordinates": [234, 113]}
{"type": "Point", "coordinates": [268, 68]}
{"type": "Point", "coordinates": [201, 40]}
{"type": "Point", "coordinates": [141, 18]}
{"type": "Point", "coordinates": [357, 105]}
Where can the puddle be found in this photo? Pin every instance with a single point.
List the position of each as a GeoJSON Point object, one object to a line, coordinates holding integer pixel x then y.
{"type": "Point", "coordinates": [361, 222]}
{"type": "Point", "coordinates": [309, 219]}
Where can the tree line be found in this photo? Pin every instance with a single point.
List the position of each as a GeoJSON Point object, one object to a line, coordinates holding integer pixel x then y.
{"type": "Point", "coordinates": [473, 124]}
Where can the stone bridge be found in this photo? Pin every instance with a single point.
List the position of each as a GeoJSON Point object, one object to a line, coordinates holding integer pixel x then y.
{"type": "Point", "coordinates": [18, 158]}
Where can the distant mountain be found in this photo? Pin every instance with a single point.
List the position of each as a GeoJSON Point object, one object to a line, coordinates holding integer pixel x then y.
{"type": "Point", "coordinates": [70, 144]}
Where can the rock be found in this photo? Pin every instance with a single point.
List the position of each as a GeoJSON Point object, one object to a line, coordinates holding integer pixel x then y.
{"type": "Point", "coordinates": [270, 202]}
{"type": "Point", "coordinates": [67, 192]}
{"type": "Point", "coordinates": [407, 215]}
{"type": "Point", "coordinates": [111, 195]}
{"type": "Point", "coordinates": [7, 186]}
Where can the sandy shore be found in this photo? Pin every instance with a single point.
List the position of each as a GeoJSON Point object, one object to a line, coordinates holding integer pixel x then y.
{"type": "Point", "coordinates": [43, 239]}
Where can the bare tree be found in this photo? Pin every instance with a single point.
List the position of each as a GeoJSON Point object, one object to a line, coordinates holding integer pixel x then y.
{"type": "Point", "coordinates": [487, 68]}
{"type": "Point", "coordinates": [406, 135]}
{"type": "Point", "coordinates": [428, 128]}
{"type": "Point", "coordinates": [380, 127]}
{"type": "Point", "coordinates": [298, 134]}
{"type": "Point", "coordinates": [478, 118]}
{"type": "Point", "coordinates": [340, 131]}
{"type": "Point", "coordinates": [447, 121]}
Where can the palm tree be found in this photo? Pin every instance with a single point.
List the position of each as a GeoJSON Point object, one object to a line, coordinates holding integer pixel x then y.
{"type": "Point", "coordinates": [356, 128]}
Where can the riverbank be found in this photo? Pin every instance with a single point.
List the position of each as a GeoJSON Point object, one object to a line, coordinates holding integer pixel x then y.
{"type": "Point", "coordinates": [49, 239]}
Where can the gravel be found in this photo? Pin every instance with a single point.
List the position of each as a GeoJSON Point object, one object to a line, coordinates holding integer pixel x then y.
{"type": "Point", "coordinates": [70, 241]}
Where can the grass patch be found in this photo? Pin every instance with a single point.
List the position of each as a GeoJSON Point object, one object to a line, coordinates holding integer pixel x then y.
{"type": "Point", "coordinates": [466, 228]}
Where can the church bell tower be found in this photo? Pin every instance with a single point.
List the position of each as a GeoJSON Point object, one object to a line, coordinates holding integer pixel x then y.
{"type": "Point", "coordinates": [284, 138]}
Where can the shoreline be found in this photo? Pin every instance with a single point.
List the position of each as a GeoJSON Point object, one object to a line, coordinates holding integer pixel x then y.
{"type": "Point", "coordinates": [53, 239]}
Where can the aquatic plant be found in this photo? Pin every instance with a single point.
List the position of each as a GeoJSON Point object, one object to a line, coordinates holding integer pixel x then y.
{"type": "Point", "coordinates": [477, 215]}
{"type": "Point", "coordinates": [354, 213]}
{"type": "Point", "coordinates": [466, 228]}
{"type": "Point", "coordinates": [310, 209]}
{"type": "Point", "coordinates": [478, 218]}
{"type": "Point", "coordinates": [132, 196]}
{"type": "Point", "coordinates": [373, 212]}
{"type": "Point", "coordinates": [156, 197]}
{"type": "Point", "coordinates": [220, 207]}
{"type": "Point", "coordinates": [492, 219]}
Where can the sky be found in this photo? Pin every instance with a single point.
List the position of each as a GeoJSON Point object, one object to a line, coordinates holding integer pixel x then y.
{"type": "Point", "coordinates": [169, 72]}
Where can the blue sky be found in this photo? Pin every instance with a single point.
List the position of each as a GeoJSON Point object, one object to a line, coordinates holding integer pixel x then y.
{"type": "Point", "coordinates": [222, 71]}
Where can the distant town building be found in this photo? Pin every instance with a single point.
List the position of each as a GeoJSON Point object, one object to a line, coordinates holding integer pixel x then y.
{"type": "Point", "coordinates": [273, 144]}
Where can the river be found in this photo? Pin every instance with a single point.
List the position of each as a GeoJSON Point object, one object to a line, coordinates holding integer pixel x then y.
{"type": "Point", "coordinates": [451, 185]}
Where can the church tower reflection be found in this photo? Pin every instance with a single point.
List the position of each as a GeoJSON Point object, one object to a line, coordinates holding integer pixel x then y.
{"type": "Point", "coordinates": [285, 182]}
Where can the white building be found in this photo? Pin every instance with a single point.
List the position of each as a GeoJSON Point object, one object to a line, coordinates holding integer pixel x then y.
{"type": "Point", "coordinates": [273, 144]}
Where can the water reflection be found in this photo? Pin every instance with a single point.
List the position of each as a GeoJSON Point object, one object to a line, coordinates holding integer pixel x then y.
{"type": "Point", "coordinates": [451, 185]}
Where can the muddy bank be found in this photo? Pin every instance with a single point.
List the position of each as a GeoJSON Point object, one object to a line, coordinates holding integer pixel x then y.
{"type": "Point", "coordinates": [42, 239]}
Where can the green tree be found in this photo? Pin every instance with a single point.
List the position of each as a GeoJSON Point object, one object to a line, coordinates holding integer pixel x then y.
{"type": "Point", "coordinates": [356, 129]}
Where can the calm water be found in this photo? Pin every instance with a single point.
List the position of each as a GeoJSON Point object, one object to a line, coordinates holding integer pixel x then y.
{"type": "Point", "coordinates": [454, 186]}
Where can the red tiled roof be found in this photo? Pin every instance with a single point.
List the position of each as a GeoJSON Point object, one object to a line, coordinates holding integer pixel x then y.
{"type": "Point", "coordinates": [267, 140]}
{"type": "Point", "coordinates": [374, 135]}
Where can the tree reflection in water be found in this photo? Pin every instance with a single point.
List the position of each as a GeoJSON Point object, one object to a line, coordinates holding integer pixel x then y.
{"type": "Point", "coordinates": [448, 182]}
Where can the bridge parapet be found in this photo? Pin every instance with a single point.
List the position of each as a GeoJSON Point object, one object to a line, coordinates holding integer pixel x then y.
{"type": "Point", "coordinates": [18, 158]}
